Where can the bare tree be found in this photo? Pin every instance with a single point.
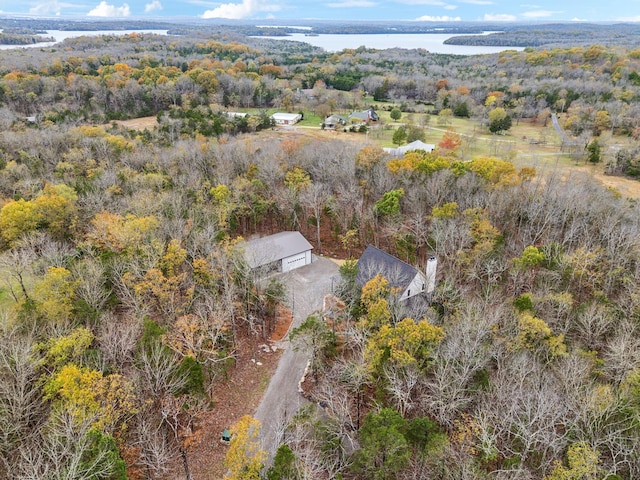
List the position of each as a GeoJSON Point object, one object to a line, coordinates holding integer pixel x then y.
{"type": "Point", "coordinates": [21, 404]}
{"type": "Point", "coordinates": [463, 353]}
{"type": "Point", "coordinates": [622, 353]}
{"type": "Point", "coordinates": [315, 197]}
{"type": "Point", "coordinates": [17, 263]}
{"type": "Point", "coordinates": [400, 384]}
{"type": "Point", "coordinates": [92, 283]}
{"type": "Point", "coordinates": [157, 450]}
{"type": "Point", "coordinates": [525, 412]}
{"type": "Point", "coordinates": [118, 338]}
{"type": "Point", "coordinates": [158, 372]}
{"type": "Point", "coordinates": [66, 450]}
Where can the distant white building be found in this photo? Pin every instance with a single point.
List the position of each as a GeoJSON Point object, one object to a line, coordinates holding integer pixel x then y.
{"type": "Point", "coordinates": [410, 147]}
{"type": "Point", "coordinates": [282, 251]}
{"type": "Point", "coordinates": [286, 118]}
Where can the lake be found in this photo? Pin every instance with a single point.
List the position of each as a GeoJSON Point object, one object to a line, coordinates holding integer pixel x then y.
{"type": "Point", "coordinates": [60, 35]}
{"type": "Point", "coordinates": [433, 42]}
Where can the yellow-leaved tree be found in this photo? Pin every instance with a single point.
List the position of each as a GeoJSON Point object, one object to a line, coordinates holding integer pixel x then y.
{"type": "Point", "coordinates": [407, 344]}
{"type": "Point", "coordinates": [582, 460]}
{"type": "Point", "coordinates": [16, 219]}
{"type": "Point", "coordinates": [374, 299]}
{"type": "Point", "coordinates": [53, 295]}
{"type": "Point", "coordinates": [245, 458]}
{"type": "Point", "coordinates": [88, 395]}
{"type": "Point", "coordinates": [534, 334]}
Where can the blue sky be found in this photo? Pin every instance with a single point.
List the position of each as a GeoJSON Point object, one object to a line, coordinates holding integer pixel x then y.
{"type": "Point", "coordinates": [426, 10]}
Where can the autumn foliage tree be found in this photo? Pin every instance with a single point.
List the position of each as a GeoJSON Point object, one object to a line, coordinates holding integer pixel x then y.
{"type": "Point", "coordinates": [244, 458]}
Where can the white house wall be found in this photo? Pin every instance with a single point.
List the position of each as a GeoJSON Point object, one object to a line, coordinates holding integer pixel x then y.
{"type": "Point", "coordinates": [416, 286]}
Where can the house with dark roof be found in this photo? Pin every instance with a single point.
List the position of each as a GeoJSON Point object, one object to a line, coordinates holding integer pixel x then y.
{"type": "Point", "coordinates": [366, 116]}
{"type": "Point", "coordinates": [404, 278]}
{"type": "Point", "coordinates": [282, 251]}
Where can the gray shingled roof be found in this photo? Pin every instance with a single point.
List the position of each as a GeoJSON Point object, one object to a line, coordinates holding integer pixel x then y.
{"type": "Point", "coordinates": [374, 261]}
{"type": "Point", "coordinates": [272, 248]}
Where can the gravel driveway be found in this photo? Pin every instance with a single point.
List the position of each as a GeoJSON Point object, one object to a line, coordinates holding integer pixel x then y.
{"type": "Point", "coordinates": [306, 288]}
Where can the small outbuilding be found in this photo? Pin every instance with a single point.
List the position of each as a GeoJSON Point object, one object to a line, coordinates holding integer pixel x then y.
{"type": "Point", "coordinates": [411, 147]}
{"type": "Point", "coordinates": [282, 252]}
{"type": "Point", "coordinates": [286, 118]}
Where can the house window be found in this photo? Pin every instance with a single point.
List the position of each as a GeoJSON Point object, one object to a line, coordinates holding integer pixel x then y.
{"type": "Point", "coordinates": [408, 293]}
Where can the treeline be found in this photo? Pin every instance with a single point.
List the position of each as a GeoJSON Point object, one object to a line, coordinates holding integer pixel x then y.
{"type": "Point", "coordinates": [18, 39]}
{"type": "Point", "coordinates": [554, 35]}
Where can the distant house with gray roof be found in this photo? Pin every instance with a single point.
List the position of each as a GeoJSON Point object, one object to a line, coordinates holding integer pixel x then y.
{"type": "Point", "coordinates": [404, 278]}
{"type": "Point", "coordinates": [332, 121]}
{"type": "Point", "coordinates": [282, 251]}
{"type": "Point", "coordinates": [365, 116]}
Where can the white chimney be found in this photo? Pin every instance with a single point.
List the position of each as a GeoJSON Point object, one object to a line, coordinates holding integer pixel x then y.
{"type": "Point", "coordinates": [432, 265]}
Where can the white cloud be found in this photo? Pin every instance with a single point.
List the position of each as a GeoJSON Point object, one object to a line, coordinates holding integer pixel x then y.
{"type": "Point", "coordinates": [477, 2]}
{"type": "Point", "coordinates": [106, 10]}
{"type": "Point", "coordinates": [153, 6]}
{"type": "Point", "coordinates": [628, 19]}
{"type": "Point", "coordinates": [499, 17]}
{"type": "Point", "coordinates": [539, 14]}
{"type": "Point", "coordinates": [239, 10]}
{"type": "Point", "coordinates": [450, 7]}
{"type": "Point", "coordinates": [431, 18]}
{"type": "Point", "coordinates": [352, 4]}
{"type": "Point", "coordinates": [45, 9]}
{"type": "Point", "coordinates": [576, 19]}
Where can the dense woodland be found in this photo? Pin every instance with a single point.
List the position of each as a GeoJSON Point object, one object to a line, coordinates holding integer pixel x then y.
{"type": "Point", "coordinates": [125, 295]}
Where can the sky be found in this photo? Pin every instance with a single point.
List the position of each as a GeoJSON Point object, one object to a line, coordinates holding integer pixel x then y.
{"type": "Point", "coordinates": [411, 10]}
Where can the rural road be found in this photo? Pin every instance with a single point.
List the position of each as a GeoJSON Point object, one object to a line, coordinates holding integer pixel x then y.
{"type": "Point", "coordinates": [306, 287]}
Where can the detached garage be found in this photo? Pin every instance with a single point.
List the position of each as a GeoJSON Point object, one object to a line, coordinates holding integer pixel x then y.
{"type": "Point", "coordinates": [286, 118]}
{"type": "Point", "coordinates": [283, 251]}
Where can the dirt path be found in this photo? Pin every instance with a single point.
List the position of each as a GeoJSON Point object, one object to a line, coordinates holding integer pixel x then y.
{"type": "Point", "coordinates": [307, 287]}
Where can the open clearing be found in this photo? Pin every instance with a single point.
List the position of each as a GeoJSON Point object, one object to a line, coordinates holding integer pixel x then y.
{"type": "Point", "coordinates": [139, 123]}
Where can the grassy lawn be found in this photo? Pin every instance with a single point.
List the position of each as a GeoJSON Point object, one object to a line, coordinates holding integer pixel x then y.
{"type": "Point", "coordinates": [525, 144]}
{"type": "Point", "coordinates": [7, 303]}
{"type": "Point", "coordinates": [310, 120]}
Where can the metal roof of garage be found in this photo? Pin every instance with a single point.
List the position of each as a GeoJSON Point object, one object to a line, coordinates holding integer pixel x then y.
{"type": "Point", "coordinates": [272, 248]}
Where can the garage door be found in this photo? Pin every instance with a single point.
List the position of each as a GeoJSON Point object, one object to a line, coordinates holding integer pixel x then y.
{"type": "Point", "coordinates": [294, 261]}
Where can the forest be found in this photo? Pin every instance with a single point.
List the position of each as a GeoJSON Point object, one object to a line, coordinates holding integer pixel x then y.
{"type": "Point", "coordinates": [126, 305]}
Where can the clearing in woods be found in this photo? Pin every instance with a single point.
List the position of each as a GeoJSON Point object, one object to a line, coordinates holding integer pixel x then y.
{"type": "Point", "coordinates": [528, 145]}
